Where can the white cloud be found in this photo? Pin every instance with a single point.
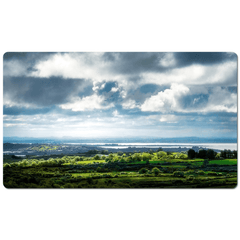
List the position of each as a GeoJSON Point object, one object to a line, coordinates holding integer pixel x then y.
{"type": "Point", "coordinates": [14, 124]}
{"type": "Point", "coordinates": [167, 60]}
{"type": "Point", "coordinates": [129, 104]}
{"type": "Point", "coordinates": [167, 100]}
{"type": "Point", "coordinates": [75, 65]}
{"type": "Point", "coordinates": [219, 74]}
{"type": "Point", "coordinates": [221, 100]}
{"type": "Point", "coordinates": [8, 102]}
{"type": "Point", "coordinates": [14, 68]}
{"type": "Point", "coordinates": [115, 113]}
{"type": "Point", "coordinates": [169, 118]}
{"type": "Point", "coordinates": [87, 103]}
{"type": "Point", "coordinates": [114, 89]}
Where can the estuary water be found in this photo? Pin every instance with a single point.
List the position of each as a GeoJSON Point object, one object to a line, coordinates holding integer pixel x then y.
{"type": "Point", "coordinates": [219, 146]}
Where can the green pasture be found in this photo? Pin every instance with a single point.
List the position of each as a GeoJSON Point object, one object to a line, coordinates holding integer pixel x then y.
{"type": "Point", "coordinates": [224, 162]}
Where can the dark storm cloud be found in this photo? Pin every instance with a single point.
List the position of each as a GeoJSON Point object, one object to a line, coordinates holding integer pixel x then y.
{"type": "Point", "coordinates": [41, 91]}
{"type": "Point", "coordinates": [125, 63]}
{"type": "Point", "coordinates": [22, 63]}
{"type": "Point", "coordinates": [26, 111]}
{"type": "Point", "coordinates": [27, 56]}
{"type": "Point", "coordinates": [142, 62]}
{"type": "Point", "coordinates": [134, 62]}
{"type": "Point", "coordinates": [204, 58]}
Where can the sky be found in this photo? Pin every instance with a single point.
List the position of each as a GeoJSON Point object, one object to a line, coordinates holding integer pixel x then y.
{"type": "Point", "coordinates": [120, 94]}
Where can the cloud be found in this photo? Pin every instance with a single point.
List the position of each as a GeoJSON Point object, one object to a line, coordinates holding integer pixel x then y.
{"type": "Point", "coordinates": [168, 60]}
{"type": "Point", "coordinates": [165, 101]}
{"type": "Point", "coordinates": [14, 68]}
{"type": "Point", "coordinates": [169, 118]}
{"type": "Point", "coordinates": [37, 92]}
{"type": "Point", "coordinates": [203, 58]}
{"type": "Point", "coordinates": [180, 98]}
{"type": "Point", "coordinates": [75, 65]}
{"type": "Point", "coordinates": [221, 100]}
{"type": "Point", "coordinates": [200, 75]}
{"type": "Point", "coordinates": [114, 89]}
{"type": "Point", "coordinates": [18, 64]}
{"type": "Point", "coordinates": [89, 103]}
{"type": "Point", "coordinates": [14, 124]}
{"type": "Point", "coordinates": [146, 93]}
{"type": "Point", "coordinates": [115, 113]}
{"type": "Point", "coordinates": [129, 104]}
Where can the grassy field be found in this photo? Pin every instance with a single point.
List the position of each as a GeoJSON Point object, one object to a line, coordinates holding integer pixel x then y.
{"type": "Point", "coordinates": [224, 162]}
{"type": "Point", "coordinates": [120, 172]}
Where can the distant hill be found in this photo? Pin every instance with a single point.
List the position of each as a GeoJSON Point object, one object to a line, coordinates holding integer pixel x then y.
{"type": "Point", "coordinates": [119, 140]}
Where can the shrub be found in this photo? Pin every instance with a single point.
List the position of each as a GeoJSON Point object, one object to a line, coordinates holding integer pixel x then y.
{"type": "Point", "coordinates": [183, 156]}
{"type": "Point", "coordinates": [143, 170]}
{"type": "Point", "coordinates": [201, 172]}
{"type": "Point", "coordinates": [6, 165]}
{"type": "Point", "coordinates": [212, 174]}
{"type": "Point", "coordinates": [77, 158]}
{"type": "Point", "coordinates": [146, 156]}
{"type": "Point", "coordinates": [96, 157]}
{"type": "Point", "coordinates": [68, 185]}
{"type": "Point", "coordinates": [136, 157]}
{"type": "Point", "coordinates": [178, 174]}
{"type": "Point", "coordinates": [161, 154]}
{"type": "Point", "coordinates": [190, 178]}
{"type": "Point", "coordinates": [205, 162]}
{"type": "Point", "coordinates": [156, 171]}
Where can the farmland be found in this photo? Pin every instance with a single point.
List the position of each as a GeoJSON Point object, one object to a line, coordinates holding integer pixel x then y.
{"type": "Point", "coordinates": [132, 170]}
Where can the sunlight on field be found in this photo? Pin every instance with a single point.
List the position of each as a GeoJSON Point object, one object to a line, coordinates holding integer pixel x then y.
{"type": "Point", "coordinates": [224, 162]}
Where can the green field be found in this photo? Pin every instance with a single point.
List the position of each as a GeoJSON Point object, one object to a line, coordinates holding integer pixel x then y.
{"type": "Point", "coordinates": [121, 171]}
{"type": "Point", "coordinates": [224, 162]}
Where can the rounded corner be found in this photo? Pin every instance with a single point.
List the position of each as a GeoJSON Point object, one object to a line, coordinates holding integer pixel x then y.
{"type": "Point", "coordinates": [4, 55]}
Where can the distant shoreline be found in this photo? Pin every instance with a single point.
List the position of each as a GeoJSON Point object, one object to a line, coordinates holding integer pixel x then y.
{"type": "Point", "coordinates": [23, 149]}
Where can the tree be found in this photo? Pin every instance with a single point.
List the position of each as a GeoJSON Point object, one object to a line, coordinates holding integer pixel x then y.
{"type": "Point", "coordinates": [96, 157]}
{"type": "Point", "coordinates": [191, 153]}
{"type": "Point", "coordinates": [234, 154]}
{"type": "Point", "coordinates": [223, 153]}
{"type": "Point", "coordinates": [161, 154]}
{"type": "Point", "coordinates": [183, 156]}
{"type": "Point", "coordinates": [150, 151]}
{"type": "Point", "coordinates": [202, 153]}
{"type": "Point", "coordinates": [146, 156]}
{"type": "Point", "coordinates": [136, 157]}
{"type": "Point", "coordinates": [210, 154]}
